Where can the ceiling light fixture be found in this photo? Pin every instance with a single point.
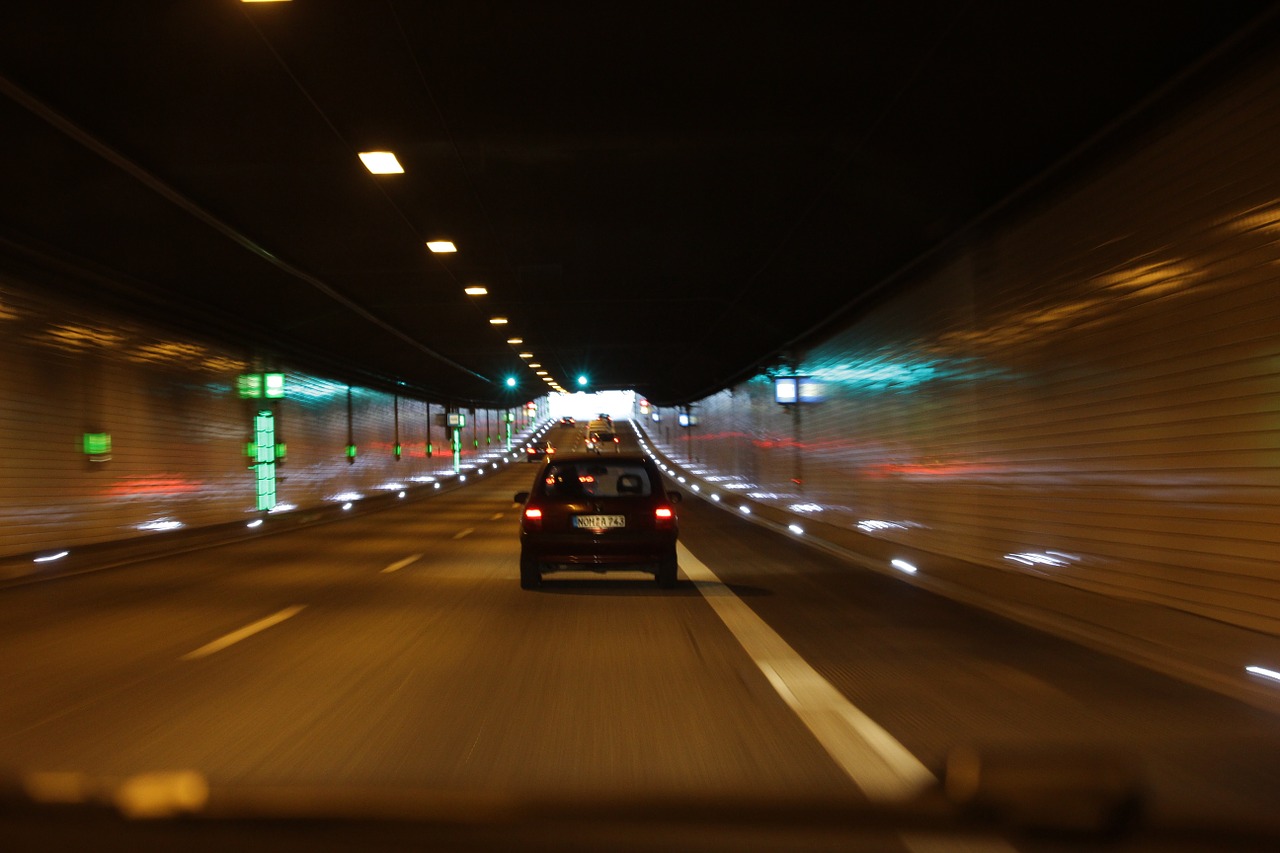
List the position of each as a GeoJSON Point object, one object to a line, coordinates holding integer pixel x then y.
{"type": "Point", "coordinates": [476, 290]}
{"type": "Point", "coordinates": [381, 162]}
{"type": "Point", "coordinates": [498, 321]}
{"type": "Point", "coordinates": [441, 247]}
{"type": "Point", "coordinates": [526, 355]}
{"type": "Point", "coordinates": [515, 340]}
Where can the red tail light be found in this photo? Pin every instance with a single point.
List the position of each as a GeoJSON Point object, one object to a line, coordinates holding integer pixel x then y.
{"type": "Point", "coordinates": [663, 512]}
{"type": "Point", "coordinates": [532, 518]}
{"type": "Point", "coordinates": [664, 517]}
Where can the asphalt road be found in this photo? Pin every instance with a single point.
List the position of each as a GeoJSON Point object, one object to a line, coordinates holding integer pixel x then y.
{"type": "Point", "coordinates": [396, 648]}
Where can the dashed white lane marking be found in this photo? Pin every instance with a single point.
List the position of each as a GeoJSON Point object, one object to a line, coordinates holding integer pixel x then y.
{"type": "Point", "coordinates": [882, 767]}
{"type": "Point", "coordinates": [247, 631]}
{"type": "Point", "coordinates": [496, 516]}
{"type": "Point", "coordinates": [400, 564]}
{"type": "Point", "coordinates": [465, 532]}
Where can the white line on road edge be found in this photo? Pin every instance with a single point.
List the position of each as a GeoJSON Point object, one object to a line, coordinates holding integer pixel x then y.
{"type": "Point", "coordinates": [496, 516]}
{"type": "Point", "coordinates": [400, 564]}
{"type": "Point", "coordinates": [883, 768]}
{"type": "Point", "coordinates": [466, 532]}
{"type": "Point", "coordinates": [247, 631]}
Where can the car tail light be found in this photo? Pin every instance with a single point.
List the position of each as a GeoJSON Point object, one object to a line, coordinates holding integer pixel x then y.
{"type": "Point", "coordinates": [664, 517]}
{"type": "Point", "coordinates": [532, 518]}
{"type": "Point", "coordinates": [617, 440]}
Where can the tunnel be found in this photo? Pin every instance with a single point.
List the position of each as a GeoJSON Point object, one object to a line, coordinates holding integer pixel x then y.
{"type": "Point", "coordinates": [979, 505]}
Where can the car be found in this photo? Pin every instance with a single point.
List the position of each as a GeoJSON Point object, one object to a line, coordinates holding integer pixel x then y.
{"type": "Point", "coordinates": [536, 450]}
{"type": "Point", "coordinates": [597, 441]}
{"type": "Point", "coordinates": [584, 512]}
{"type": "Point", "coordinates": [567, 421]}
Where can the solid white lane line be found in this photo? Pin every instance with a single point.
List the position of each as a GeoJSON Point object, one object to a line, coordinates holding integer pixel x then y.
{"type": "Point", "coordinates": [247, 631]}
{"type": "Point", "coordinates": [496, 516]}
{"type": "Point", "coordinates": [467, 532]}
{"type": "Point", "coordinates": [881, 766]}
{"type": "Point", "coordinates": [400, 564]}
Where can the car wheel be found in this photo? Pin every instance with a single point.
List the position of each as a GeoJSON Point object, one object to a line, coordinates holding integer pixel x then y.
{"type": "Point", "coordinates": [530, 574]}
{"type": "Point", "coordinates": [666, 573]}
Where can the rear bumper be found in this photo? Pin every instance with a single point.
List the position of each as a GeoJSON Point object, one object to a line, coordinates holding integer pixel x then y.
{"type": "Point", "coordinates": [597, 551]}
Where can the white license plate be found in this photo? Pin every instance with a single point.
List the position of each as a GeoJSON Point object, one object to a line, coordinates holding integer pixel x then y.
{"type": "Point", "coordinates": [599, 522]}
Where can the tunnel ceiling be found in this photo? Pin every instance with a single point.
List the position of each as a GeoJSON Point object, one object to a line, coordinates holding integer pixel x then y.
{"type": "Point", "coordinates": [662, 197]}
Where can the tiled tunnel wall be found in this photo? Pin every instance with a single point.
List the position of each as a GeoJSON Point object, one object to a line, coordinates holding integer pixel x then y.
{"type": "Point", "coordinates": [178, 430]}
{"type": "Point", "coordinates": [1091, 393]}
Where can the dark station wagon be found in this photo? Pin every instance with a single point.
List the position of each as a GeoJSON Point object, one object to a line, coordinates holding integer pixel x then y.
{"type": "Point", "coordinates": [598, 513]}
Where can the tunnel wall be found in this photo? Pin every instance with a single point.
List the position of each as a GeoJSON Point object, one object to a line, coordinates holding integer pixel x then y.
{"type": "Point", "coordinates": [1090, 394]}
{"type": "Point", "coordinates": [179, 429]}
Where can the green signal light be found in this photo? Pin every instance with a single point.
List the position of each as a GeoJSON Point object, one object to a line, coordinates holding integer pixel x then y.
{"type": "Point", "coordinates": [582, 380]}
{"type": "Point", "coordinates": [511, 382]}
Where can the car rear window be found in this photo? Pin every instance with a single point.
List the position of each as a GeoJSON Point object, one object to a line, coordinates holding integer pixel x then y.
{"type": "Point", "coordinates": [599, 480]}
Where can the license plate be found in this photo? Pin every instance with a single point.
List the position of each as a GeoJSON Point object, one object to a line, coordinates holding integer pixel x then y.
{"type": "Point", "coordinates": [599, 522]}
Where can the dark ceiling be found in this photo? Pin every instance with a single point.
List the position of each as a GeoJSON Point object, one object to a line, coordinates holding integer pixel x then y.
{"type": "Point", "coordinates": [659, 196]}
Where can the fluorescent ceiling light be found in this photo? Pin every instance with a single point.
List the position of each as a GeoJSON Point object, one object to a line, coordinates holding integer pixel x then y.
{"type": "Point", "coordinates": [534, 364]}
{"type": "Point", "coordinates": [498, 321]}
{"type": "Point", "coordinates": [381, 162]}
{"type": "Point", "coordinates": [526, 355]}
{"type": "Point", "coordinates": [541, 372]}
{"type": "Point", "coordinates": [515, 340]}
{"type": "Point", "coordinates": [475, 290]}
{"type": "Point", "coordinates": [441, 246]}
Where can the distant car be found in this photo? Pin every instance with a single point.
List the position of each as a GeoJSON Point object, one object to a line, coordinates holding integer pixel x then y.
{"type": "Point", "coordinates": [567, 421]}
{"type": "Point", "coordinates": [598, 441]}
{"type": "Point", "coordinates": [536, 450]}
{"type": "Point", "coordinates": [598, 514]}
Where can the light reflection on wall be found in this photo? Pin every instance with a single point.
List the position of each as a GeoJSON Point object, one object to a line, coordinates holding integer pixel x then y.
{"type": "Point", "coordinates": [75, 338]}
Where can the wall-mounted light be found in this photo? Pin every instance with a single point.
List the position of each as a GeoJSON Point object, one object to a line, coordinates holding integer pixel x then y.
{"type": "Point", "coordinates": [441, 247]}
{"type": "Point", "coordinates": [97, 446]}
{"type": "Point", "coordinates": [797, 389]}
{"type": "Point", "coordinates": [260, 385]}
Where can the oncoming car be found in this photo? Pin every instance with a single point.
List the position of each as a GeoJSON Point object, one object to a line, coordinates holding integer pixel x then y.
{"type": "Point", "coordinates": [591, 513]}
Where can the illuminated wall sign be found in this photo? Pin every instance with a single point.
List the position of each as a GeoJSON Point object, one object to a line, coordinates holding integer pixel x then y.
{"type": "Point", "coordinates": [97, 446]}
{"type": "Point", "coordinates": [260, 385]}
{"type": "Point", "coordinates": [264, 459]}
{"type": "Point", "coordinates": [786, 389]}
{"type": "Point", "coordinates": [797, 389]}
{"type": "Point", "coordinates": [455, 419]}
